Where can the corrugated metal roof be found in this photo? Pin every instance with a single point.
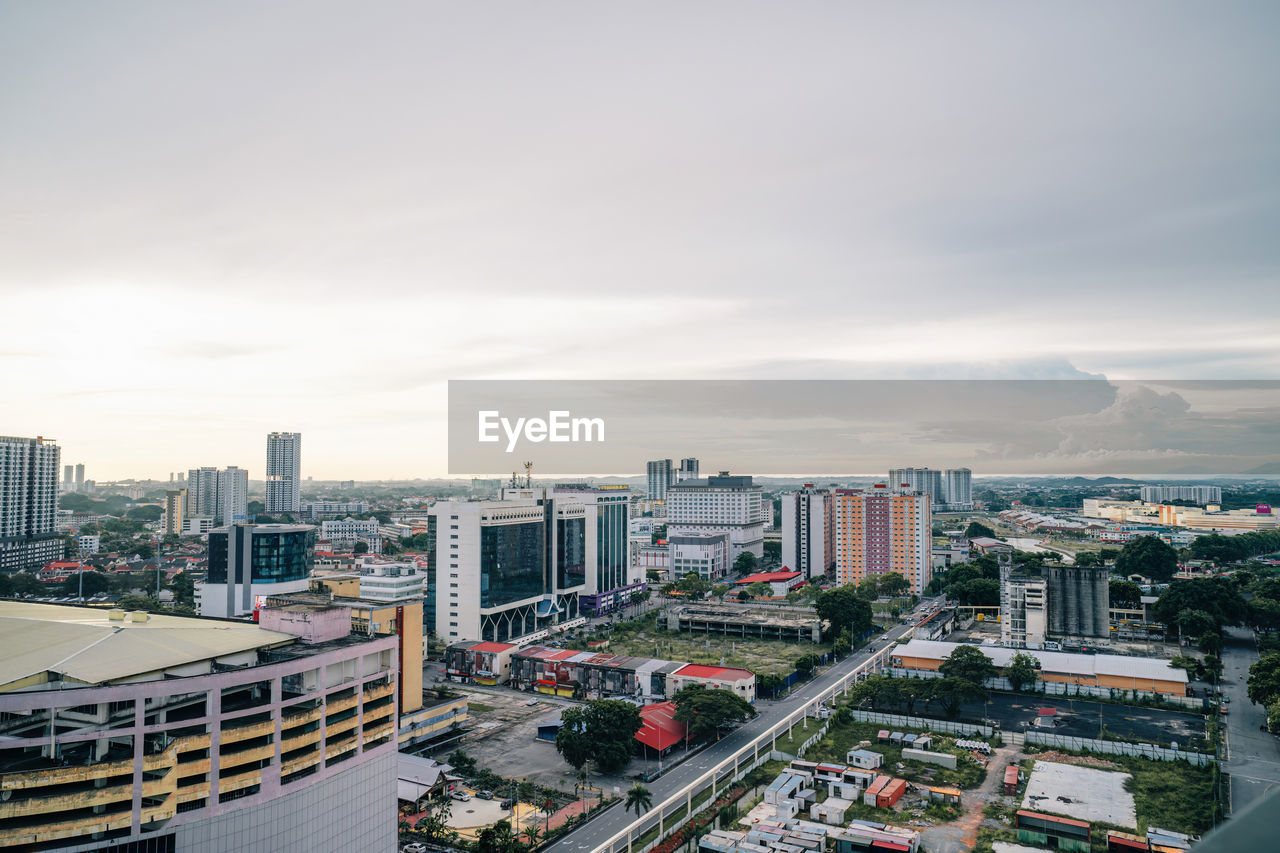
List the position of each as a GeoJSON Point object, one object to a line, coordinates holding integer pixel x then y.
{"type": "Point", "coordinates": [1060, 662]}
{"type": "Point", "coordinates": [83, 644]}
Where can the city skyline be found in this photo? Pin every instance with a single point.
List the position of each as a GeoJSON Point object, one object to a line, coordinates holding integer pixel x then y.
{"type": "Point", "coordinates": [838, 192]}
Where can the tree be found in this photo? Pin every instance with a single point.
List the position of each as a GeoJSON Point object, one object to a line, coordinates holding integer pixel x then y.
{"type": "Point", "coordinates": [1210, 643]}
{"type": "Point", "coordinates": [773, 551]}
{"type": "Point", "coordinates": [806, 664]}
{"type": "Point", "coordinates": [496, 839]}
{"type": "Point", "coordinates": [1125, 594]}
{"type": "Point", "coordinates": [843, 609]}
{"type": "Point", "coordinates": [1273, 717]}
{"type": "Point", "coordinates": [706, 711]}
{"type": "Point", "coordinates": [531, 835]}
{"type": "Point", "coordinates": [979, 592]}
{"type": "Point", "coordinates": [976, 529]}
{"type": "Point", "coordinates": [149, 512]}
{"type": "Point", "coordinates": [894, 584]}
{"type": "Point", "coordinates": [1195, 623]}
{"type": "Point", "coordinates": [951, 693]}
{"type": "Point", "coordinates": [841, 647]}
{"type": "Point", "coordinates": [1264, 679]}
{"type": "Point", "coordinates": [760, 589]}
{"type": "Point", "coordinates": [94, 583]}
{"type": "Point", "coordinates": [746, 562]}
{"type": "Point", "coordinates": [603, 730]}
{"type": "Point", "coordinates": [26, 584]}
{"type": "Point", "coordinates": [970, 664]}
{"type": "Point", "coordinates": [435, 822]}
{"type": "Point", "coordinates": [720, 590]}
{"type": "Point", "coordinates": [463, 763]}
{"type": "Point", "coordinates": [639, 799]}
{"type": "Point", "coordinates": [1149, 557]}
{"type": "Point", "coordinates": [1023, 669]}
{"type": "Point", "coordinates": [1089, 559]}
{"type": "Point", "coordinates": [1217, 597]}
{"type": "Point", "coordinates": [143, 550]}
{"type": "Point", "coordinates": [184, 588]}
{"type": "Point", "coordinates": [361, 547]}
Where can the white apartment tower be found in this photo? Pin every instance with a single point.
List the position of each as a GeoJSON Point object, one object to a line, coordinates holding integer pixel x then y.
{"type": "Point", "coordinates": [688, 470]}
{"type": "Point", "coordinates": [808, 531]}
{"type": "Point", "coordinates": [659, 475]}
{"type": "Point", "coordinates": [284, 472]}
{"type": "Point", "coordinates": [926, 481]}
{"type": "Point", "coordinates": [222, 496]}
{"type": "Point", "coordinates": [719, 504]}
{"type": "Point", "coordinates": [957, 489]}
{"type": "Point", "coordinates": [28, 502]}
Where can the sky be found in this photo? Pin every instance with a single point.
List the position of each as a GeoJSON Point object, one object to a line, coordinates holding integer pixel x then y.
{"type": "Point", "coordinates": [220, 220]}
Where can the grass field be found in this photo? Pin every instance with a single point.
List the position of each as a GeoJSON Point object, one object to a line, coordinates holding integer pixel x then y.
{"type": "Point", "coordinates": [478, 707]}
{"type": "Point", "coordinates": [641, 638]}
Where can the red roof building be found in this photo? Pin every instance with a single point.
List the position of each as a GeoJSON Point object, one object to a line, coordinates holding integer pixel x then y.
{"type": "Point", "coordinates": [660, 730]}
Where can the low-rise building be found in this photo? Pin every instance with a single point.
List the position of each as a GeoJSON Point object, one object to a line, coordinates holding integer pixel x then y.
{"type": "Point", "coordinates": [780, 582]}
{"type": "Point", "coordinates": [1145, 675]}
{"type": "Point", "coordinates": [738, 621]}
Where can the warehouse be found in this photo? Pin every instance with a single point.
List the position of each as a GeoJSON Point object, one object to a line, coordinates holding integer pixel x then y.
{"type": "Point", "coordinates": [1147, 675]}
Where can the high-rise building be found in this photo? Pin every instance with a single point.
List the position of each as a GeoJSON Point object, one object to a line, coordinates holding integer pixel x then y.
{"type": "Point", "coordinates": [284, 472]}
{"type": "Point", "coordinates": [80, 477]}
{"type": "Point", "coordinates": [720, 504]}
{"type": "Point", "coordinates": [193, 735]}
{"type": "Point", "coordinates": [927, 481]}
{"type": "Point", "coordinates": [68, 478]}
{"type": "Point", "coordinates": [660, 475]}
{"type": "Point", "coordinates": [1195, 494]}
{"type": "Point", "coordinates": [884, 531]}
{"type": "Point", "coordinates": [808, 531]}
{"type": "Point", "coordinates": [500, 570]}
{"type": "Point", "coordinates": [174, 511]}
{"type": "Point", "coordinates": [957, 489]}
{"type": "Point", "coordinates": [1023, 617]}
{"type": "Point", "coordinates": [28, 503]}
{"type": "Point", "coordinates": [688, 470]}
{"type": "Point", "coordinates": [251, 560]}
{"type": "Point", "coordinates": [1079, 601]}
{"type": "Point", "coordinates": [219, 495]}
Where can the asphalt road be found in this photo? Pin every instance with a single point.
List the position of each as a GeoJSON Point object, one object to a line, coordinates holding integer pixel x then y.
{"type": "Point", "coordinates": [1079, 718]}
{"type": "Point", "coordinates": [615, 819]}
{"type": "Point", "coordinates": [1253, 755]}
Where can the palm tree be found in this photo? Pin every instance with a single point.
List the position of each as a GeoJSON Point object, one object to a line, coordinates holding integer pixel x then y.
{"type": "Point", "coordinates": [639, 798]}
{"type": "Point", "coordinates": [531, 834]}
{"type": "Point", "coordinates": [582, 786]}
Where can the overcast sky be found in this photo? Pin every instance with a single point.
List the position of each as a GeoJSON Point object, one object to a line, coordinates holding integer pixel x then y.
{"type": "Point", "coordinates": [218, 219]}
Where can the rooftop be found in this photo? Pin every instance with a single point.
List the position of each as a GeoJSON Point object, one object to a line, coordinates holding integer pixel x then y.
{"type": "Point", "coordinates": [1079, 664]}
{"type": "Point", "coordinates": [697, 670]}
{"type": "Point", "coordinates": [770, 577]}
{"type": "Point", "coordinates": [84, 646]}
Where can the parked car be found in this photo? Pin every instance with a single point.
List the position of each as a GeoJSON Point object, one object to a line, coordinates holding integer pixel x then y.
{"type": "Point", "coordinates": [506, 804]}
{"type": "Point", "coordinates": [461, 796]}
{"type": "Point", "coordinates": [532, 702]}
{"type": "Point", "coordinates": [485, 795]}
{"type": "Point", "coordinates": [414, 847]}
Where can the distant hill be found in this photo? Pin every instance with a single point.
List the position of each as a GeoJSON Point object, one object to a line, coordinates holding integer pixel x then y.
{"type": "Point", "coordinates": [1269, 468]}
{"type": "Point", "coordinates": [1102, 481]}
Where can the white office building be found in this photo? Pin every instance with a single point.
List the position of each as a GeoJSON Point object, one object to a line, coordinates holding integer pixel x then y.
{"type": "Point", "coordinates": [387, 582]}
{"type": "Point", "coordinates": [1023, 609]}
{"type": "Point", "coordinates": [957, 489]}
{"type": "Point", "coordinates": [284, 472]}
{"type": "Point", "coordinates": [727, 504]}
{"type": "Point", "coordinates": [508, 568]}
{"type": "Point", "coordinates": [705, 554]}
{"type": "Point", "coordinates": [808, 531]}
{"type": "Point", "coordinates": [220, 495]}
{"type": "Point", "coordinates": [342, 535]}
{"type": "Point", "coordinates": [88, 544]}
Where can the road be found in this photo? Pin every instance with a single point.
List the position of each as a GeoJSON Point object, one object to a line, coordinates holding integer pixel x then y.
{"type": "Point", "coordinates": [1253, 755]}
{"type": "Point", "coordinates": [615, 819]}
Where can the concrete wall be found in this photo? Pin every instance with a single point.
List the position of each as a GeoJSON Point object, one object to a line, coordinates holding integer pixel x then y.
{"type": "Point", "coordinates": [354, 810]}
